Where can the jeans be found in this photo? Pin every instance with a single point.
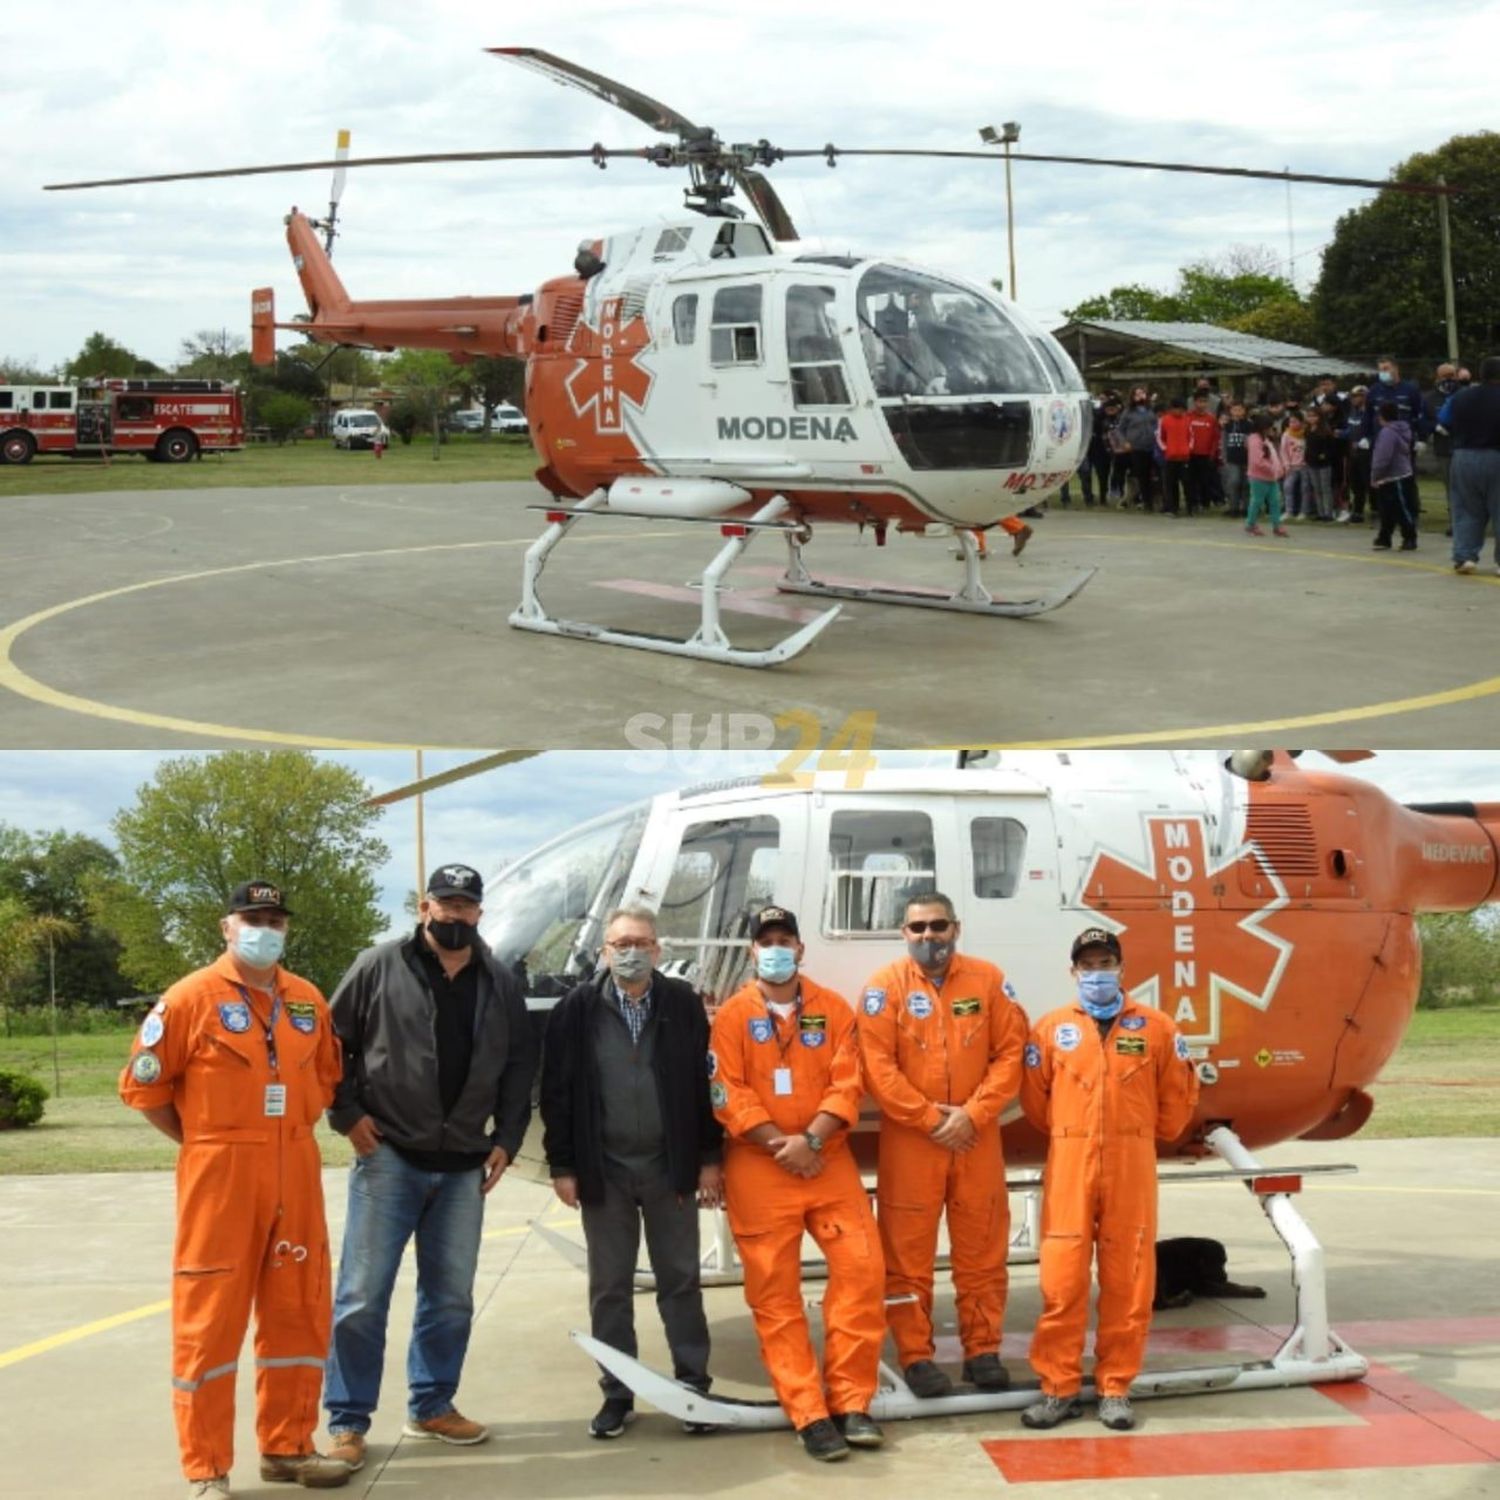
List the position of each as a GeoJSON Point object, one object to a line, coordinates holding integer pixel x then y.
{"type": "Point", "coordinates": [1296, 491]}
{"type": "Point", "coordinates": [1318, 483]}
{"type": "Point", "coordinates": [1475, 480]}
{"type": "Point", "coordinates": [1236, 486]}
{"type": "Point", "coordinates": [390, 1201]}
{"type": "Point", "coordinates": [1264, 493]}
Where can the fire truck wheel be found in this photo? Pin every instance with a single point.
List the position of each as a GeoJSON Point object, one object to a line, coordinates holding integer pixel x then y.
{"type": "Point", "coordinates": [175, 447]}
{"type": "Point", "coordinates": [17, 448]}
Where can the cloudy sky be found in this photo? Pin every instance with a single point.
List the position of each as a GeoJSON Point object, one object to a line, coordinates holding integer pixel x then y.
{"type": "Point", "coordinates": [491, 819]}
{"type": "Point", "coordinates": [104, 89]}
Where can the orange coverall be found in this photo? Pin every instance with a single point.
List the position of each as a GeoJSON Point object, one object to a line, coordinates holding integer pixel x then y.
{"type": "Point", "coordinates": [250, 1224]}
{"type": "Point", "coordinates": [1104, 1105]}
{"type": "Point", "coordinates": [922, 1045]}
{"type": "Point", "coordinates": [769, 1208]}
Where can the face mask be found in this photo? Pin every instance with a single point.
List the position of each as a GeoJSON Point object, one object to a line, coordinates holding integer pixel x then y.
{"type": "Point", "coordinates": [260, 947]}
{"type": "Point", "coordinates": [452, 935]}
{"type": "Point", "coordinates": [1100, 994]}
{"type": "Point", "coordinates": [1386, 377]}
{"type": "Point", "coordinates": [929, 953]}
{"type": "Point", "coordinates": [775, 965]}
{"type": "Point", "coordinates": [630, 965]}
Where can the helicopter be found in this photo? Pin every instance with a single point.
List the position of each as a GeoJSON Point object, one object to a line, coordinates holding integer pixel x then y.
{"type": "Point", "coordinates": [1267, 907]}
{"type": "Point", "coordinates": [691, 369]}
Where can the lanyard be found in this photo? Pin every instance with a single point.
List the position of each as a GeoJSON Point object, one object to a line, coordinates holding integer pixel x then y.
{"type": "Point", "coordinates": [795, 1018]}
{"type": "Point", "coordinates": [270, 1025]}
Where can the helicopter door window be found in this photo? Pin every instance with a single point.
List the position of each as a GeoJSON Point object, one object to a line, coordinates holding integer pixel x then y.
{"type": "Point", "coordinates": [814, 353]}
{"type": "Point", "coordinates": [725, 871]}
{"type": "Point", "coordinates": [734, 335]}
{"type": "Point", "coordinates": [685, 318]}
{"type": "Point", "coordinates": [999, 850]}
{"type": "Point", "coordinates": [877, 862]}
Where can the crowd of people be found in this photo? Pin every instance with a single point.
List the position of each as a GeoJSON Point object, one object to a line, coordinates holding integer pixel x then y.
{"type": "Point", "coordinates": [1329, 456]}
{"type": "Point", "coordinates": [425, 1059]}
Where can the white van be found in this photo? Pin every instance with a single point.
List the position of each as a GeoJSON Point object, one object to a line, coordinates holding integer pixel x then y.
{"type": "Point", "coordinates": [354, 428]}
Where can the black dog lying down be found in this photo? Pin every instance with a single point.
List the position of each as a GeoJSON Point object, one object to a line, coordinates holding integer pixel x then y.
{"type": "Point", "coordinates": [1188, 1268]}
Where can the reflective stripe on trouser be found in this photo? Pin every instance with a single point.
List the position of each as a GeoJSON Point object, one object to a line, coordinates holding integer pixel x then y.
{"type": "Point", "coordinates": [768, 1210]}
{"type": "Point", "coordinates": [234, 1251]}
{"type": "Point", "coordinates": [918, 1180]}
{"type": "Point", "coordinates": [1102, 1197]}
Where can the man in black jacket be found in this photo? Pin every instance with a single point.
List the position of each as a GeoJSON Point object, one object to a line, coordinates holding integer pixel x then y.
{"type": "Point", "coordinates": [630, 1137]}
{"type": "Point", "coordinates": [436, 1094]}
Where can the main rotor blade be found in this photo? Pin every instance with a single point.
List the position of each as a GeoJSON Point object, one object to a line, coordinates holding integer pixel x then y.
{"type": "Point", "coordinates": [767, 203]}
{"type": "Point", "coordinates": [646, 109]}
{"type": "Point", "coordinates": [447, 778]}
{"type": "Point", "coordinates": [595, 153]}
{"type": "Point", "coordinates": [1430, 189]}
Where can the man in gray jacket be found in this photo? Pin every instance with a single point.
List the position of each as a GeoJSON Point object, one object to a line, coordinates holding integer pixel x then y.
{"type": "Point", "coordinates": [435, 1098]}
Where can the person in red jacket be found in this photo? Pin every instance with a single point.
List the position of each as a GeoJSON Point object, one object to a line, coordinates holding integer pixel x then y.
{"type": "Point", "coordinates": [1172, 434]}
{"type": "Point", "coordinates": [1204, 443]}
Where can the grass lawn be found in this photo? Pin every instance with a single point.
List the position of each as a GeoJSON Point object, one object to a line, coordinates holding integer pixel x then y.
{"type": "Point", "coordinates": [1444, 1080]}
{"type": "Point", "coordinates": [314, 461]}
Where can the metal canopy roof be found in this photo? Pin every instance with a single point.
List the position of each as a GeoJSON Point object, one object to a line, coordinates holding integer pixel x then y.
{"type": "Point", "coordinates": [1202, 341]}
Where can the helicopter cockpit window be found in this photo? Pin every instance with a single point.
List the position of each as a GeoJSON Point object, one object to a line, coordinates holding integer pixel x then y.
{"type": "Point", "coordinates": [734, 336]}
{"type": "Point", "coordinates": [999, 849]}
{"type": "Point", "coordinates": [672, 242]}
{"type": "Point", "coordinates": [814, 354]}
{"type": "Point", "coordinates": [546, 914]}
{"type": "Point", "coordinates": [925, 337]}
{"type": "Point", "coordinates": [877, 861]}
{"type": "Point", "coordinates": [725, 871]}
{"type": "Point", "coordinates": [737, 238]}
{"type": "Point", "coordinates": [1057, 359]}
{"type": "Point", "coordinates": [685, 318]}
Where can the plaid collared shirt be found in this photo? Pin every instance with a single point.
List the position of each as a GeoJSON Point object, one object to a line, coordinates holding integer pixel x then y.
{"type": "Point", "coordinates": [636, 1012]}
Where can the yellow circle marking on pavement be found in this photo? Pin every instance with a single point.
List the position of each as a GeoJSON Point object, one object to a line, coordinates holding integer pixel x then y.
{"type": "Point", "coordinates": [18, 681]}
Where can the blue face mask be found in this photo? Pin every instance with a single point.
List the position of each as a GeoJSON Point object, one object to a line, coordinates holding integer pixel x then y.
{"type": "Point", "coordinates": [260, 947]}
{"type": "Point", "coordinates": [776, 965]}
{"type": "Point", "coordinates": [1386, 377]}
{"type": "Point", "coordinates": [1100, 994]}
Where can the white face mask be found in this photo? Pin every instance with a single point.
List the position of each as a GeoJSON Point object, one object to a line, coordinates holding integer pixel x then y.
{"type": "Point", "coordinates": [260, 947]}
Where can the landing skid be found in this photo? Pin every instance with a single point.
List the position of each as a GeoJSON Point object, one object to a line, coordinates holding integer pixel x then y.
{"type": "Point", "coordinates": [1030, 597]}
{"type": "Point", "coordinates": [1311, 1353]}
{"type": "Point", "coordinates": [709, 642]}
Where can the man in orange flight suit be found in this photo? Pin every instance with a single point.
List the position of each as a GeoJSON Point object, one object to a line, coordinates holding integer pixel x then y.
{"type": "Point", "coordinates": [1105, 1079]}
{"type": "Point", "coordinates": [235, 1063]}
{"type": "Point", "coordinates": [941, 1041]}
{"type": "Point", "coordinates": [785, 1084]}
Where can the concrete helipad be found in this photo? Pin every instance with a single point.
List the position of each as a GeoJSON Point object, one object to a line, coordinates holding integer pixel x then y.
{"type": "Point", "coordinates": [1415, 1286]}
{"type": "Point", "coordinates": [378, 615]}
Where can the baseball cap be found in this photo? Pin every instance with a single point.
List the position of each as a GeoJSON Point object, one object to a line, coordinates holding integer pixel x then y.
{"type": "Point", "coordinates": [258, 895]}
{"type": "Point", "coordinates": [773, 916]}
{"type": "Point", "coordinates": [1096, 937]}
{"type": "Point", "coordinates": [455, 880]}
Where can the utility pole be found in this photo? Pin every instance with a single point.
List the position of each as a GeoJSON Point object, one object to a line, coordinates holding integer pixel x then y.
{"type": "Point", "coordinates": [421, 838]}
{"type": "Point", "coordinates": [52, 988]}
{"type": "Point", "coordinates": [1008, 134]}
{"type": "Point", "coordinates": [1445, 235]}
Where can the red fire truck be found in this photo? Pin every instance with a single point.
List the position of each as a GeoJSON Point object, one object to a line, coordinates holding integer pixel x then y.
{"type": "Point", "coordinates": [167, 421]}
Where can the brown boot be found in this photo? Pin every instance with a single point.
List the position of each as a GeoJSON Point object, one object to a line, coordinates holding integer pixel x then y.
{"type": "Point", "coordinates": [451, 1427]}
{"type": "Point", "coordinates": [311, 1470]}
{"type": "Point", "coordinates": [348, 1447]}
{"type": "Point", "coordinates": [1018, 543]}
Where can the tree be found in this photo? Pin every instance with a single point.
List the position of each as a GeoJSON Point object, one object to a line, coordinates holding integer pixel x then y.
{"type": "Point", "coordinates": [24, 938]}
{"type": "Point", "coordinates": [1218, 290]}
{"type": "Point", "coordinates": [102, 355]}
{"type": "Point", "coordinates": [200, 827]}
{"type": "Point", "coordinates": [355, 368]}
{"type": "Point", "coordinates": [214, 354]}
{"type": "Point", "coordinates": [1133, 303]}
{"type": "Point", "coordinates": [14, 371]}
{"type": "Point", "coordinates": [1381, 286]}
{"type": "Point", "coordinates": [1460, 959]}
{"type": "Point", "coordinates": [51, 875]}
{"type": "Point", "coordinates": [1291, 322]}
{"type": "Point", "coordinates": [423, 378]}
{"type": "Point", "coordinates": [283, 414]}
{"type": "Point", "coordinates": [496, 378]}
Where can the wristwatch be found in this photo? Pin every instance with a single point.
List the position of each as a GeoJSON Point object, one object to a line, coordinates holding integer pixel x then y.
{"type": "Point", "coordinates": [814, 1142]}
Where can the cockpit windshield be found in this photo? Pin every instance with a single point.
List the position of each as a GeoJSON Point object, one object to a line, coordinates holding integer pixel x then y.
{"type": "Point", "coordinates": [545, 916]}
{"type": "Point", "coordinates": [926, 337]}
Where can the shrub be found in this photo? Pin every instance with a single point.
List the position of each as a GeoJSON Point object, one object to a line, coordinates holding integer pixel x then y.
{"type": "Point", "coordinates": [73, 1020]}
{"type": "Point", "coordinates": [22, 1099]}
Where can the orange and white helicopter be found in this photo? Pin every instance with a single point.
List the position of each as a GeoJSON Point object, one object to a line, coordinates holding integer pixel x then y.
{"type": "Point", "coordinates": [688, 369]}
{"type": "Point", "coordinates": [1269, 908]}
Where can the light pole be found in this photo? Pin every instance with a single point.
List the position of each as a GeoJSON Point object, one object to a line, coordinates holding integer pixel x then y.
{"type": "Point", "coordinates": [1008, 134]}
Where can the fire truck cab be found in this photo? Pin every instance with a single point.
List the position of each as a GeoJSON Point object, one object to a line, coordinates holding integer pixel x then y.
{"type": "Point", "coordinates": [167, 421]}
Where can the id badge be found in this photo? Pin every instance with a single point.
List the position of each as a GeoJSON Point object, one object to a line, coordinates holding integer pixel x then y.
{"type": "Point", "coordinates": [782, 1081]}
{"type": "Point", "coordinates": [275, 1100]}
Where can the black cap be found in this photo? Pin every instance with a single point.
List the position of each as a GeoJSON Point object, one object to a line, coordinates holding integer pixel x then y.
{"type": "Point", "coordinates": [456, 880]}
{"type": "Point", "coordinates": [258, 895]}
{"type": "Point", "coordinates": [773, 916]}
{"type": "Point", "coordinates": [1096, 937]}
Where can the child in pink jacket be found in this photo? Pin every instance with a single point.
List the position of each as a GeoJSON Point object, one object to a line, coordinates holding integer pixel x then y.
{"type": "Point", "coordinates": [1294, 456]}
{"type": "Point", "coordinates": [1266, 471]}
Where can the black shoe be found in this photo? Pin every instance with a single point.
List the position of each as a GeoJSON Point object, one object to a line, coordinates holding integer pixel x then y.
{"type": "Point", "coordinates": [609, 1421]}
{"type": "Point", "coordinates": [859, 1428]}
{"type": "Point", "coordinates": [1408, 546]}
{"type": "Point", "coordinates": [986, 1372]}
{"type": "Point", "coordinates": [1381, 546]}
{"type": "Point", "coordinates": [926, 1380]}
{"type": "Point", "coordinates": [824, 1441]}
